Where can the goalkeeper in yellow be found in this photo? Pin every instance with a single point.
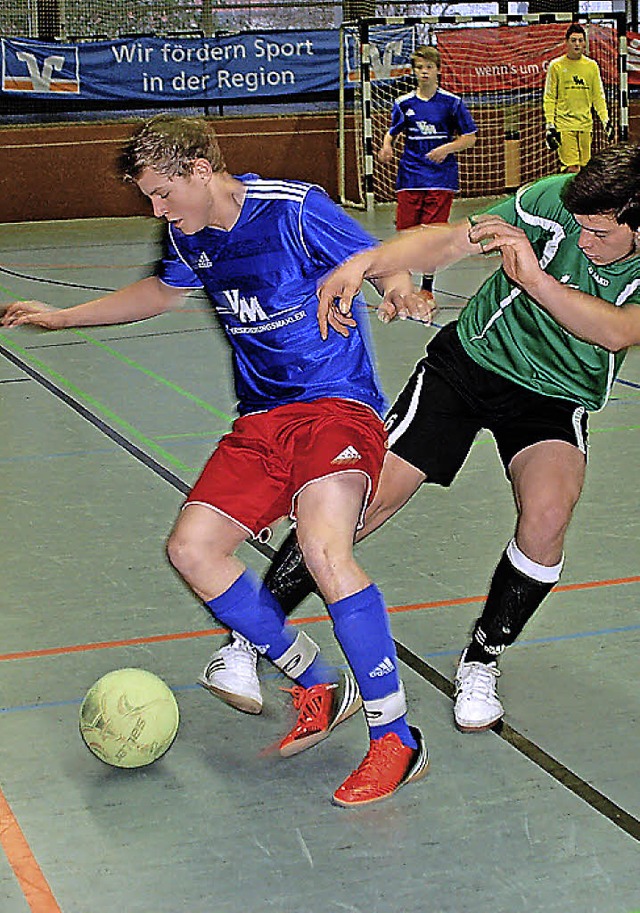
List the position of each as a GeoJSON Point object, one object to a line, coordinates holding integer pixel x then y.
{"type": "Point", "coordinates": [573, 88]}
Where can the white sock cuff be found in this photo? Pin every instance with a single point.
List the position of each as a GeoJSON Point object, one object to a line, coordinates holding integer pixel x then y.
{"type": "Point", "coordinates": [386, 709]}
{"type": "Point", "coordinates": [297, 658]}
{"type": "Point", "coordinates": [540, 572]}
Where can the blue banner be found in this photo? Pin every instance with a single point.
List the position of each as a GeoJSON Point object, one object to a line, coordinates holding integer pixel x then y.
{"type": "Point", "coordinates": [232, 67]}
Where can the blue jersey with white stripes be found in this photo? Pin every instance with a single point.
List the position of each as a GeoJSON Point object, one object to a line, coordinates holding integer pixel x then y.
{"type": "Point", "coordinates": [261, 277]}
{"type": "Point", "coordinates": [427, 124]}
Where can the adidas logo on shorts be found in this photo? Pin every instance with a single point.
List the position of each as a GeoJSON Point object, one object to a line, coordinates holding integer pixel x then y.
{"type": "Point", "coordinates": [348, 455]}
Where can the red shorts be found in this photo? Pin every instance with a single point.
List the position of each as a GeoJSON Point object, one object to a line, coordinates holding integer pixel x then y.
{"type": "Point", "coordinates": [258, 469]}
{"type": "Point", "coordinates": [422, 207]}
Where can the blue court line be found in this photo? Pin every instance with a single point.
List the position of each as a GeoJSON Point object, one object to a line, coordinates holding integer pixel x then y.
{"type": "Point", "coordinates": [195, 441]}
{"type": "Point", "coordinates": [580, 635]}
{"type": "Point", "coordinates": [76, 701]}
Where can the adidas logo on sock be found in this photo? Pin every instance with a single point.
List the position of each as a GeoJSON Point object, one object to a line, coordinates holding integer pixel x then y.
{"type": "Point", "coordinates": [348, 455]}
{"type": "Point", "coordinates": [204, 262]}
{"type": "Point", "coordinates": [383, 668]}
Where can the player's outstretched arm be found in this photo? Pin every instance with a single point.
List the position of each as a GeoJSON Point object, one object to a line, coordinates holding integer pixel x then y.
{"type": "Point", "coordinates": [593, 319]}
{"type": "Point", "coordinates": [405, 304]}
{"type": "Point", "coordinates": [36, 313]}
{"type": "Point", "coordinates": [425, 249]}
{"type": "Point", "coordinates": [145, 298]}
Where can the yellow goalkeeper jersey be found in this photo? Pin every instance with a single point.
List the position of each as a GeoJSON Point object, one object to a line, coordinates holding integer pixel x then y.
{"type": "Point", "coordinates": [572, 89]}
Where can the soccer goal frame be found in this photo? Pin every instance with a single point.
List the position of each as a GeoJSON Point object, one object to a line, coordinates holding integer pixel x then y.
{"type": "Point", "coordinates": [503, 94]}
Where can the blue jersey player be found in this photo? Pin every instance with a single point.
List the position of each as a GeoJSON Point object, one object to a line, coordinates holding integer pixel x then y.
{"type": "Point", "coordinates": [309, 442]}
{"type": "Point", "coordinates": [436, 125]}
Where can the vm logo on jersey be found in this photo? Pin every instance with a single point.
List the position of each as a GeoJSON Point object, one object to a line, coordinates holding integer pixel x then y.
{"type": "Point", "coordinates": [40, 69]}
{"type": "Point", "coordinates": [247, 310]}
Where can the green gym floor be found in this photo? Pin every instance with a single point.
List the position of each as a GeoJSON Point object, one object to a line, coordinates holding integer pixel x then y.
{"type": "Point", "coordinates": [101, 432]}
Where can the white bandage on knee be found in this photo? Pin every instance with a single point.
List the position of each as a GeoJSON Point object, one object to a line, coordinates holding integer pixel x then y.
{"type": "Point", "coordinates": [298, 657]}
{"type": "Point", "coordinates": [540, 572]}
{"type": "Point", "coordinates": [386, 709]}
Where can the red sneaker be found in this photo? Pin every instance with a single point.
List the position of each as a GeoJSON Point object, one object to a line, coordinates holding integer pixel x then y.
{"type": "Point", "coordinates": [388, 765]}
{"type": "Point", "coordinates": [428, 296]}
{"type": "Point", "coordinates": [320, 709]}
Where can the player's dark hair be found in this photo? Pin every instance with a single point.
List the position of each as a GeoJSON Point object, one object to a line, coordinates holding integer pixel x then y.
{"type": "Point", "coordinates": [575, 29]}
{"type": "Point", "coordinates": [608, 183]}
{"type": "Point", "coordinates": [170, 145]}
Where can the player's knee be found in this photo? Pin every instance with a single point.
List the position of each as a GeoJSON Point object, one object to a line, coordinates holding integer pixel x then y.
{"type": "Point", "coordinates": [316, 554]}
{"type": "Point", "coordinates": [547, 519]}
{"type": "Point", "coordinates": [324, 559]}
{"type": "Point", "coordinates": [183, 552]}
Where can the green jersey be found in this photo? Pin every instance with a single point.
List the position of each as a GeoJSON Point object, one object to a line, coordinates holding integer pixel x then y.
{"type": "Point", "coordinates": [505, 331]}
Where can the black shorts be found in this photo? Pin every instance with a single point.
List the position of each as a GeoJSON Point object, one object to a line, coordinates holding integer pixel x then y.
{"type": "Point", "coordinates": [449, 398]}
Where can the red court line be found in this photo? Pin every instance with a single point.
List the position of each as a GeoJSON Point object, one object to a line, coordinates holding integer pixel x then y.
{"type": "Point", "coordinates": [32, 882]}
{"type": "Point", "coordinates": [187, 635]}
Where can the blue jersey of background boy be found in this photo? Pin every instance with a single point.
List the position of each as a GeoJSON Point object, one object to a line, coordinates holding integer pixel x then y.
{"type": "Point", "coordinates": [262, 277]}
{"type": "Point", "coordinates": [428, 124]}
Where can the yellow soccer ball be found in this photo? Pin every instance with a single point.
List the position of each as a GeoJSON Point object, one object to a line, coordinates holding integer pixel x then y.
{"type": "Point", "coordinates": [129, 718]}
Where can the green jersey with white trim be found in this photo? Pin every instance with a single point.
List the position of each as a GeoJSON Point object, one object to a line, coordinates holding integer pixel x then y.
{"type": "Point", "coordinates": [505, 331]}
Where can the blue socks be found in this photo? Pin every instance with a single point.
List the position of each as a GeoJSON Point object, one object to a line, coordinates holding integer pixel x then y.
{"type": "Point", "coordinates": [249, 608]}
{"type": "Point", "coordinates": [361, 626]}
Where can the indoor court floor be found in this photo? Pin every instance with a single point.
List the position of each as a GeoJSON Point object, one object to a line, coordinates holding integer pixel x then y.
{"type": "Point", "coordinates": [102, 431]}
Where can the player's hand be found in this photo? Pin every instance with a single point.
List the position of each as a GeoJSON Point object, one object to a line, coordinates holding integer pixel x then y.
{"type": "Point", "coordinates": [31, 312]}
{"type": "Point", "coordinates": [519, 260]}
{"type": "Point", "coordinates": [438, 154]}
{"type": "Point", "coordinates": [385, 155]}
{"type": "Point", "coordinates": [341, 322]}
{"type": "Point", "coordinates": [413, 306]}
{"type": "Point", "coordinates": [336, 294]}
{"type": "Point", "coordinates": [610, 131]}
{"type": "Point", "coordinates": [551, 137]}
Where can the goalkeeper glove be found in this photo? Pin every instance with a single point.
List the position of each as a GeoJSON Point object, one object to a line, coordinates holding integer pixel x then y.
{"type": "Point", "coordinates": [610, 131]}
{"type": "Point", "coordinates": [551, 138]}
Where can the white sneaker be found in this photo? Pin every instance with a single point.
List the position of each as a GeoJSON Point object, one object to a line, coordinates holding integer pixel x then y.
{"type": "Point", "coordinates": [232, 676]}
{"type": "Point", "coordinates": [477, 706]}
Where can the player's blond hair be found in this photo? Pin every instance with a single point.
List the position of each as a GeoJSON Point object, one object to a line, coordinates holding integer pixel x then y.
{"type": "Point", "coordinates": [170, 146]}
{"type": "Point", "coordinates": [426, 52]}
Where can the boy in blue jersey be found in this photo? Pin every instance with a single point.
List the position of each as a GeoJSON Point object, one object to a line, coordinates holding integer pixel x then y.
{"type": "Point", "coordinates": [309, 442]}
{"type": "Point", "coordinates": [436, 125]}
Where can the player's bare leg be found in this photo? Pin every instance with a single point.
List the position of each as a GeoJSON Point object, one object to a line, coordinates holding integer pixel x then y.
{"type": "Point", "coordinates": [398, 482]}
{"type": "Point", "coordinates": [201, 548]}
{"type": "Point", "coordinates": [547, 480]}
{"type": "Point", "coordinates": [328, 511]}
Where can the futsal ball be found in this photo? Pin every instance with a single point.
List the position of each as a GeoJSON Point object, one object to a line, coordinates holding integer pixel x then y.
{"type": "Point", "coordinates": [129, 718]}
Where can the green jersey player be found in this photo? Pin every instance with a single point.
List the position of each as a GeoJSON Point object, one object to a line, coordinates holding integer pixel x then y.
{"type": "Point", "coordinates": [534, 350]}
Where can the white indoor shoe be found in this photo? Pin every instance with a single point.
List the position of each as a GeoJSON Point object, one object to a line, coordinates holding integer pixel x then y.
{"type": "Point", "coordinates": [231, 674]}
{"type": "Point", "coordinates": [477, 706]}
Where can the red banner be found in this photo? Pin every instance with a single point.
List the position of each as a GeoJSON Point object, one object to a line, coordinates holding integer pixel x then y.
{"type": "Point", "coordinates": [633, 59]}
{"type": "Point", "coordinates": [499, 58]}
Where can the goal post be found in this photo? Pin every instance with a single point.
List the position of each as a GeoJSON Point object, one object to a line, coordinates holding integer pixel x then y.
{"type": "Point", "coordinates": [497, 64]}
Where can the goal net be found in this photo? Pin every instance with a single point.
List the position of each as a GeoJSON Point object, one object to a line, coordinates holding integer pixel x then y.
{"type": "Point", "coordinates": [497, 64]}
